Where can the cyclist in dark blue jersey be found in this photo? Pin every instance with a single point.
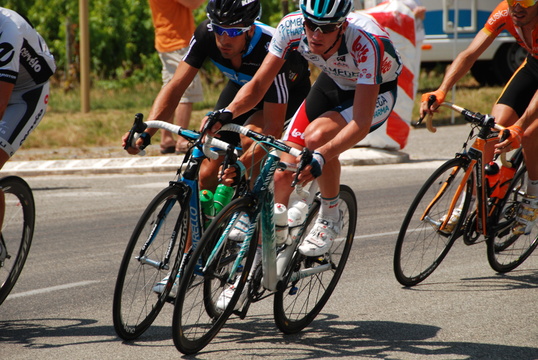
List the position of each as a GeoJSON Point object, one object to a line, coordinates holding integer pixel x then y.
{"type": "Point", "coordinates": [237, 44]}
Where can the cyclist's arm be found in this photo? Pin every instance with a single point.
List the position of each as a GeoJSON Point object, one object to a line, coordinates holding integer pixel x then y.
{"type": "Point", "coordinates": [6, 89]}
{"type": "Point", "coordinates": [166, 101]}
{"type": "Point", "coordinates": [253, 92]}
{"type": "Point", "coordinates": [461, 65]}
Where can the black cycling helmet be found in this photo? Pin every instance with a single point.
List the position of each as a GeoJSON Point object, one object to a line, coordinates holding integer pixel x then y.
{"type": "Point", "coordinates": [233, 12]}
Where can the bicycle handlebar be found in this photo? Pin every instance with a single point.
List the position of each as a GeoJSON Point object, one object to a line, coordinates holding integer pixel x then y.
{"type": "Point", "coordinates": [139, 126]}
{"type": "Point", "coordinates": [472, 117]}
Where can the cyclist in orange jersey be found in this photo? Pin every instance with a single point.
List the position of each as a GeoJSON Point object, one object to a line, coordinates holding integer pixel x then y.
{"type": "Point", "coordinates": [520, 18]}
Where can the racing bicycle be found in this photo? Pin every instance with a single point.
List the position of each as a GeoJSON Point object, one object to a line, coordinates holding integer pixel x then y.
{"type": "Point", "coordinates": [301, 285]}
{"type": "Point", "coordinates": [461, 199]}
{"type": "Point", "coordinates": [159, 246]}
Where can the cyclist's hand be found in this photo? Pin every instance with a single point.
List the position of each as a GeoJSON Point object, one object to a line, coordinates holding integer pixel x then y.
{"type": "Point", "coordinates": [233, 174]}
{"type": "Point", "coordinates": [142, 142]}
{"type": "Point", "coordinates": [216, 119]}
{"type": "Point", "coordinates": [312, 170]}
{"type": "Point", "coordinates": [424, 109]}
{"type": "Point", "coordinates": [512, 142]}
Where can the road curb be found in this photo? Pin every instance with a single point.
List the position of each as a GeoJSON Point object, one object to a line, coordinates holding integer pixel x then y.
{"type": "Point", "coordinates": [137, 164]}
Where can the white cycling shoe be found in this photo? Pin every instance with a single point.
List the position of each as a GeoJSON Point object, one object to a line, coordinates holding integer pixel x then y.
{"type": "Point", "coordinates": [321, 238]}
{"type": "Point", "coordinates": [159, 287]}
{"type": "Point", "coordinates": [240, 230]}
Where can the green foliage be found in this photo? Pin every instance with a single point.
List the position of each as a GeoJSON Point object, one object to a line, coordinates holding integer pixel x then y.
{"type": "Point", "coordinates": [121, 36]}
{"type": "Point", "coordinates": [121, 33]}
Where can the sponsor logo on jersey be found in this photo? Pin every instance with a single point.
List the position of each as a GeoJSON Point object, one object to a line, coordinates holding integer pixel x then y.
{"type": "Point", "coordinates": [297, 134]}
{"type": "Point", "coordinates": [499, 14]}
{"type": "Point", "coordinates": [6, 53]}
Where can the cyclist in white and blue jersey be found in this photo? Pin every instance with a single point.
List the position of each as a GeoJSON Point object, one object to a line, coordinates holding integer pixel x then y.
{"type": "Point", "coordinates": [354, 94]}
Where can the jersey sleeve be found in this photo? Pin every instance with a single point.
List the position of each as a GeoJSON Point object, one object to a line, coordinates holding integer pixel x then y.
{"type": "Point", "coordinates": [373, 57]}
{"type": "Point", "coordinates": [287, 36]}
{"type": "Point", "coordinates": [497, 20]}
{"type": "Point", "coordinates": [10, 48]}
{"type": "Point", "coordinates": [199, 46]}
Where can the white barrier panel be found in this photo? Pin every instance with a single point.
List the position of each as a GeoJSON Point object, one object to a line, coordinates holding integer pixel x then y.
{"type": "Point", "coordinates": [399, 21]}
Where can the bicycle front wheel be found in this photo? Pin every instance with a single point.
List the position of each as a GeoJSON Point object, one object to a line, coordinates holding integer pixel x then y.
{"type": "Point", "coordinates": [17, 231]}
{"type": "Point", "coordinates": [312, 279]}
{"type": "Point", "coordinates": [507, 251]}
{"type": "Point", "coordinates": [204, 301]}
{"type": "Point", "coordinates": [421, 246]}
{"type": "Point", "coordinates": [145, 262]}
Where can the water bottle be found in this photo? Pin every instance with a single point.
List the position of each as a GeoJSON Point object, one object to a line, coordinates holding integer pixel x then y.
{"type": "Point", "coordinates": [505, 176]}
{"type": "Point", "coordinates": [223, 195]}
{"type": "Point", "coordinates": [492, 176]}
{"type": "Point", "coordinates": [296, 216]}
{"type": "Point", "coordinates": [281, 223]}
{"type": "Point", "coordinates": [206, 203]}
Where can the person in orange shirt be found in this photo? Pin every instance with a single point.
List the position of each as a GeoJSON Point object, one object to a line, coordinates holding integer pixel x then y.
{"type": "Point", "coordinates": [174, 25]}
{"type": "Point", "coordinates": [520, 19]}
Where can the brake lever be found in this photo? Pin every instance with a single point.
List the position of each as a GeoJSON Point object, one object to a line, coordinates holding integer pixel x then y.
{"type": "Point", "coordinates": [229, 158]}
{"type": "Point", "coordinates": [306, 159]}
{"type": "Point", "coordinates": [138, 127]}
{"type": "Point", "coordinates": [431, 100]}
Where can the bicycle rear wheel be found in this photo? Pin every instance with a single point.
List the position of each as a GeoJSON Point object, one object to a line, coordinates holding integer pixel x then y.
{"type": "Point", "coordinates": [136, 304]}
{"type": "Point", "coordinates": [507, 251]}
{"type": "Point", "coordinates": [300, 301]}
{"type": "Point", "coordinates": [421, 247]}
{"type": "Point", "coordinates": [198, 315]}
{"type": "Point", "coordinates": [17, 231]}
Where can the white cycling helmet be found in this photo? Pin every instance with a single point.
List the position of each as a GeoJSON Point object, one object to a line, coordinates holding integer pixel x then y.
{"type": "Point", "coordinates": [326, 11]}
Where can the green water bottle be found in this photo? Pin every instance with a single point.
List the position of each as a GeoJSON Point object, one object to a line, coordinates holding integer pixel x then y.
{"type": "Point", "coordinates": [206, 202]}
{"type": "Point", "coordinates": [223, 195]}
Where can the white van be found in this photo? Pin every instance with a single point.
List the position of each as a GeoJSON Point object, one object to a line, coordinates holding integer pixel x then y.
{"type": "Point", "coordinates": [451, 25]}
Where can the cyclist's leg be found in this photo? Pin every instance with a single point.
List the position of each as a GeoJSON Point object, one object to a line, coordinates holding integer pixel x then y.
{"type": "Point", "coordinates": [513, 102]}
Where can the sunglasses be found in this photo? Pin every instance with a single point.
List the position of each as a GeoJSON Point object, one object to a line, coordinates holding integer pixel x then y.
{"type": "Point", "coordinates": [231, 32]}
{"type": "Point", "coordinates": [523, 3]}
{"type": "Point", "coordinates": [324, 29]}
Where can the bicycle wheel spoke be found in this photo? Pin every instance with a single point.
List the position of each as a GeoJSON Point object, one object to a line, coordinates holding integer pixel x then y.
{"type": "Point", "coordinates": [421, 245]}
{"type": "Point", "coordinates": [507, 251]}
{"type": "Point", "coordinates": [199, 311]}
{"type": "Point", "coordinates": [300, 302]}
{"type": "Point", "coordinates": [136, 302]}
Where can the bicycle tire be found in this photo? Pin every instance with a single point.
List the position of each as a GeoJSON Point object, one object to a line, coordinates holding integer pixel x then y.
{"type": "Point", "coordinates": [17, 231]}
{"type": "Point", "coordinates": [505, 250]}
{"type": "Point", "coordinates": [298, 303]}
{"type": "Point", "coordinates": [197, 319]}
{"type": "Point", "coordinates": [421, 247]}
{"type": "Point", "coordinates": [135, 304]}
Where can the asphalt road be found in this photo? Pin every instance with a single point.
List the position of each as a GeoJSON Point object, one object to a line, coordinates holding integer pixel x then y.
{"type": "Point", "coordinates": [61, 306]}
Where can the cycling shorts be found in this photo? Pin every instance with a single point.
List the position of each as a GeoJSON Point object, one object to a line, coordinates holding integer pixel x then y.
{"type": "Point", "coordinates": [520, 89]}
{"type": "Point", "coordinates": [23, 113]}
{"type": "Point", "coordinates": [326, 95]}
{"type": "Point", "coordinates": [300, 91]}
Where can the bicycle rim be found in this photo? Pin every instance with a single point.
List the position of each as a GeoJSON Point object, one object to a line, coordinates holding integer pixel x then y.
{"type": "Point", "coordinates": [296, 306]}
{"type": "Point", "coordinates": [198, 316]}
{"type": "Point", "coordinates": [17, 231]}
{"type": "Point", "coordinates": [507, 251]}
{"type": "Point", "coordinates": [421, 247]}
{"type": "Point", "coordinates": [136, 304]}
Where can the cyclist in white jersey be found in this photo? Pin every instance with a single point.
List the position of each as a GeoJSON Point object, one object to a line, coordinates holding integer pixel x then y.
{"type": "Point", "coordinates": [353, 95]}
{"type": "Point", "coordinates": [25, 68]}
